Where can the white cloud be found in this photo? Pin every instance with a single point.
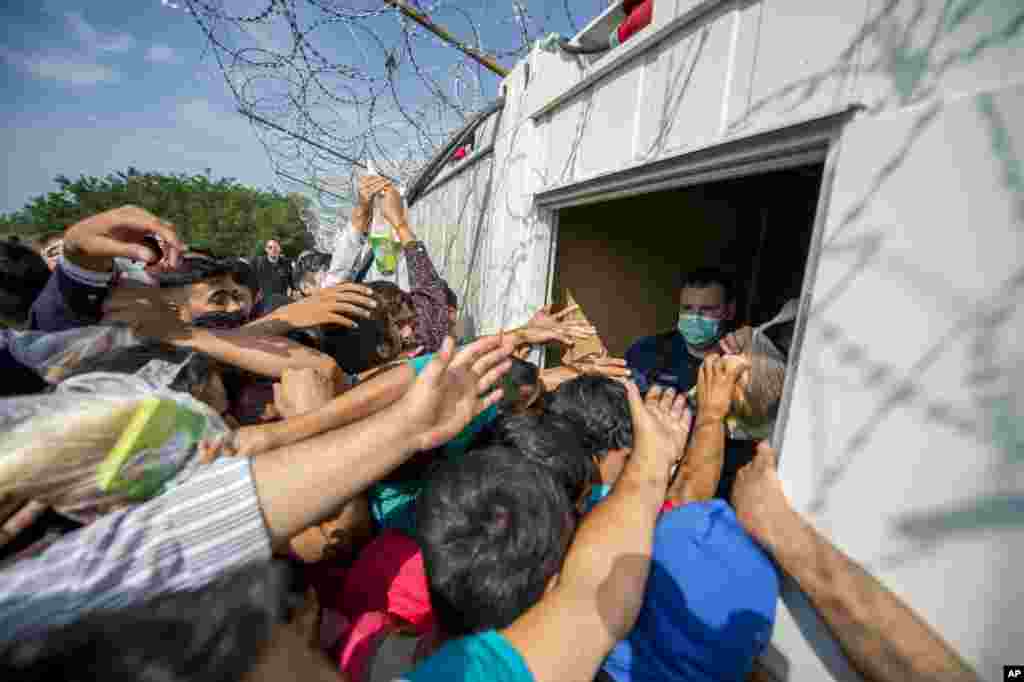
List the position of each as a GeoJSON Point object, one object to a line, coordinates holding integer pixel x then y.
{"type": "Point", "coordinates": [70, 68]}
{"type": "Point", "coordinates": [163, 54]}
{"type": "Point", "coordinates": [97, 41]}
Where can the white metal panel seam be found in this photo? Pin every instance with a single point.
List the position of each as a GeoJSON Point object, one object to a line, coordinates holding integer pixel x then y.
{"type": "Point", "coordinates": [730, 70]}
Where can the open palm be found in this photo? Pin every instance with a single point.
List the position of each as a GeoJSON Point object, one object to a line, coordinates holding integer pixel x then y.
{"type": "Point", "coordinates": [451, 391]}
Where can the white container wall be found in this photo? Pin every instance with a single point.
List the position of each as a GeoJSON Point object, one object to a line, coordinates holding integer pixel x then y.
{"type": "Point", "coordinates": [904, 440]}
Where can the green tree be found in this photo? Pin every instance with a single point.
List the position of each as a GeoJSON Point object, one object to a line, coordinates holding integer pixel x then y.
{"type": "Point", "coordinates": [222, 216]}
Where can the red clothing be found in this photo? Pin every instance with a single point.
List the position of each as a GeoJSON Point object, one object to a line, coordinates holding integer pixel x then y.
{"type": "Point", "coordinates": [386, 585]}
{"type": "Point", "coordinates": [639, 16]}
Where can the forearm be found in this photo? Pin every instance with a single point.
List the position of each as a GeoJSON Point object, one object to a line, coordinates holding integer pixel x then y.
{"type": "Point", "coordinates": [266, 356]}
{"type": "Point", "coordinates": [362, 216]}
{"type": "Point", "coordinates": [301, 484]}
{"type": "Point", "coordinates": [358, 403]}
{"type": "Point", "coordinates": [428, 297]}
{"type": "Point", "coordinates": [602, 583]}
{"type": "Point", "coordinates": [701, 468]}
{"type": "Point", "coordinates": [883, 638]}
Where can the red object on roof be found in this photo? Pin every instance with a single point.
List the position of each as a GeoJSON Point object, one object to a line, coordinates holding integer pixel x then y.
{"type": "Point", "coordinates": [459, 154]}
{"type": "Point", "coordinates": [639, 16]}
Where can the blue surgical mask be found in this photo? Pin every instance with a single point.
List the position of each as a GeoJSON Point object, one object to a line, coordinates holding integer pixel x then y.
{"type": "Point", "coordinates": [699, 331]}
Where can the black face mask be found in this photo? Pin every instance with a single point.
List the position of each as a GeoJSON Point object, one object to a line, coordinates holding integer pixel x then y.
{"type": "Point", "coordinates": [220, 320]}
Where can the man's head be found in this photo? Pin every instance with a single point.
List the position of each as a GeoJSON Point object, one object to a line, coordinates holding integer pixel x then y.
{"type": "Point", "coordinates": [494, 528]}
{"type": "Point", "coordinates": [377, 340]}
{"type": "Point", "coordinates": [273, 249]}
{"type": "Point", "coordinates": [50, 248]}
{"type": "Point", "coordinates": [758, 392]}
{"type": "Point", "coordinates": [521, 388]}
{"type": "Point", "coordinates": [555, 443]}
{"type": "Point", "coordinates": [707, 302]}
{"type": "Point", "coordinates": [207, 292]}
{"type": "Point", "coordinates": [309, 271]}
{"type": "Point", "coordinates": [193, 372]}
{"type": "Point", "coordinates": [599, 408]}
{"type": "Point", "coordinates": [23, 276]}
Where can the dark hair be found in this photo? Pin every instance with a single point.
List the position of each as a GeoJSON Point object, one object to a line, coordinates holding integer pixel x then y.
{"type": "Point", "coordinates": [217, 633]}
{"type": "Point", "coordinates": [450, 296]}
{"type": "Point", "coordinates": [194, 373]}
{"type": "Point", "coordinates": [494, 528]}
{"type": "Point", "coordinates": [600, 409]}
{"type": "Point", "coordinates": [195, 269]}
{"type": "Point", "coordinates": [23, 276]}
{"type": "Point", "coordinates": [763, 393]}
{"type": "Point", "coordinates": [376, 340]}
{"type": "Point", "coordinates": [705, 277]}
{"type": "Point", "coordinates": [521, 374]}
{"type": "Point", "coordinates": [307, 263]}
{"type": "Point", "coordinates": [552, 441]}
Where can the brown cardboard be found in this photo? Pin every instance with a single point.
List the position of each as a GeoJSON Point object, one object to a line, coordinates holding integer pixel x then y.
{"type": "Point", "coordinates": [584, 348]}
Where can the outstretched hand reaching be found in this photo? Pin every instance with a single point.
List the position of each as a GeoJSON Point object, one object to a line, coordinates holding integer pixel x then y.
{"type": "Point", "coordinates": [452, 390]}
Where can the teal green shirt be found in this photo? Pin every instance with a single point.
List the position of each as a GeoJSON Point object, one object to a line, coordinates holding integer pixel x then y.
{"type": "Point", "coordinates": [393, 503]}
{"type": "Point", "coordinates": [483, 657]}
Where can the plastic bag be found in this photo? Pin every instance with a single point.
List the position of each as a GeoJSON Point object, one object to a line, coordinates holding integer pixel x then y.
{"type": "Point", "coordinates": [101, 441]}
{"type": "Point", "coordinates": [382, 240]}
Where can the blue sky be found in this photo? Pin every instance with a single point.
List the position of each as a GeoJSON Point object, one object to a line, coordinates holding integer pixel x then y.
{"type": "Point", "coordinates": [94, 87]}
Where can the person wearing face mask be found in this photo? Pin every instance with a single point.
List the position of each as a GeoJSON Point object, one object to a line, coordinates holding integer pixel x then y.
{"type": "Point", "coordinates": [707, 308]}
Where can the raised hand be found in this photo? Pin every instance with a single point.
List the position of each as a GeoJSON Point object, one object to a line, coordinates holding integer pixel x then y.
{"type": "Point", "coordinates": [661, 424]}
{"type": "Point", "coordinates": [341, 305]}
{"type": "Point", "coordinates": [736, 342]}
{"type": "Point", "coordinates": [544, 318]}
{"type": "Point", "coordinates": [716, 384]}
{"type": "Point", "coordinates": [369, 187]}
{"type": "Point", "coordinates": [757, 494]}
{"type": "Point", "coordinates": [93, 243]}
{"type": "Point", "coordinates": [393, 208]}
{"type": "Point", "coordinates": [451, 391]}
{"type": "Point", "coordinates": [671, 412]}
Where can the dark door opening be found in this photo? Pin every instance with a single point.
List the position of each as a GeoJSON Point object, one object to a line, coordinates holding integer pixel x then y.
{"type": "Point", "coordinates": [622, 260]}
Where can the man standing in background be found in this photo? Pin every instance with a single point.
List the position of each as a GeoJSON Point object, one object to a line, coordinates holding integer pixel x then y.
{"type": "Point", "coordinates": [273, 272]}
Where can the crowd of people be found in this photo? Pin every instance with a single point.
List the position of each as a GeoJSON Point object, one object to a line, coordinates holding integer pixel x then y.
{"type": "Point", "coordinates": [212, 469]}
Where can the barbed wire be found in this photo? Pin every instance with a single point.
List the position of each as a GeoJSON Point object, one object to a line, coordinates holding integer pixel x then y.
{"type": "Point", "coordinates": [358, 78]}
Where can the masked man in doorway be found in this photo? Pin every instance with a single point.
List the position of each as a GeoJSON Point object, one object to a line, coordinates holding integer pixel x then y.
{"type": "Point", "coordinates": [707, 308]}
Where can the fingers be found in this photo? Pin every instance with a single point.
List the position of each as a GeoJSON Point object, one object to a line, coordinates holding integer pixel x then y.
{"type": "Point", "coordinates": [667, 398]}
{"type": "Point", "coordinates": [563, 314]}
{"type": "Point", "coordinates": [492, 376]}
{"type": "Point", "coordinates": [766, 457]}
{"type": "Point", "coordinates": [636, 403]}
{"type": "Point", "coordinates": [350, 287]}
{"type": "Point", "coordinates": [442, 361]}
{"type": "Point", "coordinates": [654, 394]}
{"type": "Point", "coordinates": [734, 366]}
{"type": "Point", "coordinates": [352, 309]}
{"type": "Point", "coordinates": [468, 355]}
{"type": "Point", "coordinates": [340, 320]}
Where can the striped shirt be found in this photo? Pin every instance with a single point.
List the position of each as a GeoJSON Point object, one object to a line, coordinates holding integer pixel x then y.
{"type": "Point", "coordinates": [210, 525]}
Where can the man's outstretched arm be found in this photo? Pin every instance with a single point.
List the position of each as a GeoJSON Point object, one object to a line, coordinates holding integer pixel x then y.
{"type": "Point", "coordinates": [883, 638]}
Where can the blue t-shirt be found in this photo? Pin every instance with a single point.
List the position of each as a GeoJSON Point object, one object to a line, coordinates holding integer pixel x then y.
{"type": "Point", "coordinates": [392, 503]}
{"type": "Point", "coordinates": [709, 604]}
{"type": "Point", "coordinates": [483, 657]}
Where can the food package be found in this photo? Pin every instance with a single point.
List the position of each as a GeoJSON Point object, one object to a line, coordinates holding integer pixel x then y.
{"type": "Point", "coordinates": [584, 349]}
{"type": "Point", "coordinates": [83, 451]}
